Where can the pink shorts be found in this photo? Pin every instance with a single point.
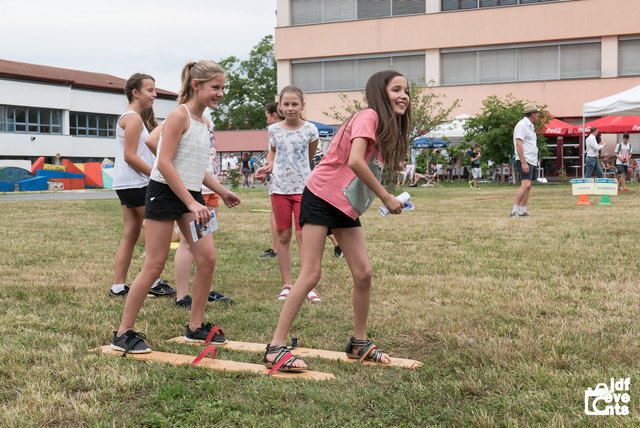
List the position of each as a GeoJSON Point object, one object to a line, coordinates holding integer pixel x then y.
{"type": "Point", "coordinates": [283, 206]}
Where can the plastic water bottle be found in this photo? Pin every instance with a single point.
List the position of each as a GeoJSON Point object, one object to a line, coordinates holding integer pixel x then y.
{"type": "Point", "coordinates": [403, 197]}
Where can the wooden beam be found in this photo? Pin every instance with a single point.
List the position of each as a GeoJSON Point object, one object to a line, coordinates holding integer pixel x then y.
{"type": "Point", "coordinates": [304, 352]}
{"type": "Point", "coordinates": [214, 364]}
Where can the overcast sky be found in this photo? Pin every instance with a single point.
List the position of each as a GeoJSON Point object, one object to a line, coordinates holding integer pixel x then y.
{"type": "Point", "coordinates": [121, 37]}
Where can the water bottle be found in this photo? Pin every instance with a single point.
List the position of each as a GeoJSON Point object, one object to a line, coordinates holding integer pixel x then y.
{"type": "Point", "coordinates": [403, 197]}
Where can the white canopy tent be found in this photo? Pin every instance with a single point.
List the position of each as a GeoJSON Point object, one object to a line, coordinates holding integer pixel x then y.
{"type": "Point", "coordinates": [625, 103]}
{"type": "Point", "coordinates": [451, 130]}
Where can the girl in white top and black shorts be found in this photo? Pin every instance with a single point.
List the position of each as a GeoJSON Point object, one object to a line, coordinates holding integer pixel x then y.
{"type": "Point", "coordinates": [174, 194]}
{"type": "Point", "coordinates": [131, 175]}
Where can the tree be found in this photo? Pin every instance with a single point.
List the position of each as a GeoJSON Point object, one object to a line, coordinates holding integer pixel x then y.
{"type": "Point", "coordinates": [427, 108]}
{"type": "Point", "coordinates": [493, 128]}
{"type": "Point", "coordinates": [250, 85]}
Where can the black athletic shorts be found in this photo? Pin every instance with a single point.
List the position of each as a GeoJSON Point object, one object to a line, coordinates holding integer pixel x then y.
{"type": "Point", "coordinates": [162, 204]}
{"type": "Point", "coordinates": [132, 198]}
{"type": "Point", "coordinates": [318, 211]}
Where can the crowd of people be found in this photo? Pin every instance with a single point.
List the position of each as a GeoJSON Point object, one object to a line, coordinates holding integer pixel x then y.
{"type": "Point", "coordinates": [166, 174]}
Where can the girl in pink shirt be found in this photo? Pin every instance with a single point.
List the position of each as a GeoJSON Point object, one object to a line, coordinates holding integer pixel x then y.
{"type": "Point", "coordinates": [337, 192]}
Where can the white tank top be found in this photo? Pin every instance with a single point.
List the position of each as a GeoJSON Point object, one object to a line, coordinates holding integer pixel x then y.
{"type": "Point", "coordinates": [125, 177]}
{"type": "Point", "coordinates": [192, 156]}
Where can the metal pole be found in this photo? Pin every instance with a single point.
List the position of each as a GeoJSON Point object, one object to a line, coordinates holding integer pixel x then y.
{"type": "Point", "coordinates": [584, 147]}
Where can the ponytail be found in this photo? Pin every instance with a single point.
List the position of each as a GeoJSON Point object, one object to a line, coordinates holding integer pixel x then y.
{"type": "Point", "coordinates": [200, 71]}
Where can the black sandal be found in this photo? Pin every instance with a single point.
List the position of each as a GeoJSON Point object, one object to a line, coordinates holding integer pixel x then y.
{"type": "Point", "coordinates": [283, 361]}
{"type": "Point", "coordinates": [368, 350]}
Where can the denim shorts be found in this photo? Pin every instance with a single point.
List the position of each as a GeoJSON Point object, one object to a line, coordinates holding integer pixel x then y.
{"type": "Point", "coordinates": [533, 171]}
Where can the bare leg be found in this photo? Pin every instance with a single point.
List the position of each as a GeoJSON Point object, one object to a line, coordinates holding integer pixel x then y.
{"type": "Point", "coordinates": [274, 234]}
{"type": "Point", "coordinates": [314, 237]}
{"type": "Point", "coordinates": [158, 239]}
{"type": "Point", "coordinates": [182, 266]}
{"type": "Point", "coordinates": [284, 254]}
{"type": "Point", "coordinates": [132, 218]}
{"type": "Point", "coordinates": [355, 253]}
{"type": "Point", "coordinates": [204, 256]}
{"type": "Point", "coordinates": [522, 195]}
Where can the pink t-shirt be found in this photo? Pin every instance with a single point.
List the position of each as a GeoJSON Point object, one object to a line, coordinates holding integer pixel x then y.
{"type": "Point", "coordinates": [332, 180]}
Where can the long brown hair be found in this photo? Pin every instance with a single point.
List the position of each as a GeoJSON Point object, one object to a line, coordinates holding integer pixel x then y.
{"type": "Point", "coordinates": [200, 71]}
{"type": "Point", "coordinates": [392, 134]}
{"type": "Point", "coordinates": [147, 115]}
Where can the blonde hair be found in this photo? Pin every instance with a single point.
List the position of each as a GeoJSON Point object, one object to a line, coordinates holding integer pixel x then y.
{"type": "Point", "coordinates": [201, 71]}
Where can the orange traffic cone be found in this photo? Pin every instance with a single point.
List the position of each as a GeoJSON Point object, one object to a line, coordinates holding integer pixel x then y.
{"type": "Point", "coordinates": [583, 200]}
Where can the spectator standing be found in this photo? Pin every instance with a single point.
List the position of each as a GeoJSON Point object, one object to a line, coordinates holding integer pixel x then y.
{"type": "Point", "coordinates": [476, 170]}
{"type": "Point", "coordinates": [526, 153]}
{"type": "Point", "coordinates": [623, 156]}
{"type": "Point", "coordinates": [593, 152]}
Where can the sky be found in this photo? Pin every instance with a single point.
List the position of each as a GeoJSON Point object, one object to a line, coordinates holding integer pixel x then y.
{"type": "Point", "coordinates": [122, 37]}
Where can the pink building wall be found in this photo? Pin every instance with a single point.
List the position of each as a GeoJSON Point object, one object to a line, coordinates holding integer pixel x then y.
{"type": "Point", "coordinates": [577, 19]}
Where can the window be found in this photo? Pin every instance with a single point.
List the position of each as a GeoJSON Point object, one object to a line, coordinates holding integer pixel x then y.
{"type": "Point", "coordinates": [92, 124]}
{"type": "Point", "coordinates": [318, 11]}
{"type": "Point", "coordinates": [30, 119]}
{"type": "Point", "coordinates": [352, 73]}
{"type": "Point", "coordinates": [629, 56]}
{"type": "Point", "coordinates": [475, 4]}
{"type": "Point", "coordinates": [525, 63]}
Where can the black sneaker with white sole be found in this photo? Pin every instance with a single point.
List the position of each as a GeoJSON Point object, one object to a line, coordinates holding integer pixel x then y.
{"type": "Point", "coordinates": [268, 254]}
{"type": "Point", "coordinates": [185, 302]}
{"type": "Point", "coordinates": [130, 342]}
{"type": "Point", "coordinates": [214, 296]}
{"type": "Point", "coordinates": [161, 289]}
{"type": "Point", "coordinates": [122, 292]}
{"type": "Point", "coordinates": [202, 332]}
{"type": "Point", "coordinates": [337, 251]}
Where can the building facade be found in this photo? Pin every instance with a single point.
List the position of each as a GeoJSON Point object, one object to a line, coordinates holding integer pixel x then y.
{"type": "Point", "coordinates": [561, 53]}
{"type": "Point", "coordinates": [61, 113]}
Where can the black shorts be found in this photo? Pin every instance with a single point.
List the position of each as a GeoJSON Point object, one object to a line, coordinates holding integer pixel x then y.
{"type": "Point", "coordinates": [533, 171]}
{"type": "Point", "coordinates": [162, 204]}
{"type": "Point", "coordinates": [622, 169]}
{"type": "Point", "coordinates": [132, 198]}
{"type": "Point", "coordinates": [318, 211]}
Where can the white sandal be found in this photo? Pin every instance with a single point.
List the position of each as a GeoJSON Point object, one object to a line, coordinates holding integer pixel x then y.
{"type": "Point", "coordinates": [313, 297]}
{"type": "Point", "coordinates": [286, 289]}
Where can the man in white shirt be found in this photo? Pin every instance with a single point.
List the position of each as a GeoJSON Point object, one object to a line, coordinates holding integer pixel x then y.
{"type": "Point", "coordinates": [224, 166]}
{"type": "Point", "coordinates": [526, 150]}
{"type": "Point", "coordinates": [233, 161]}
{"type": "Point", "coordinates": [593, 152]}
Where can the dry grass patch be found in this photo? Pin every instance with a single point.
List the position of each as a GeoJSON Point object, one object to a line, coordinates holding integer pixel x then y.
{"type": "Point", "coordinates": [513, 318]}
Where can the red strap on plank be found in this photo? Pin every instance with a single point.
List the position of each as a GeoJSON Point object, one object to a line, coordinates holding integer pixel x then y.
{"type": "Point", "coordinates": [279, 364]}
{"type": "Point", "coordinates": [204, 354]}
{"type": "Point", "coordinates": [211, 334]}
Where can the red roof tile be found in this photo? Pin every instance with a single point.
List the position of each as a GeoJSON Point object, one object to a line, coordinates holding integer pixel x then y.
{"type": "Point", "coordinates": [75, 78]}
{"type": "Point", "coordinates": [241, 141]}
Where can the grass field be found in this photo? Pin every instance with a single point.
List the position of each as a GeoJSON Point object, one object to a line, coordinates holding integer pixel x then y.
{"type": "Point", "coordinates": [513, 318]}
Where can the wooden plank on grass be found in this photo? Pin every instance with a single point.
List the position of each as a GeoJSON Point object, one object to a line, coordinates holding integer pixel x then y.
{"type": "Point", "coordinates": [304, 352]}
{"type": "Point", "coordinates": [213, 364]}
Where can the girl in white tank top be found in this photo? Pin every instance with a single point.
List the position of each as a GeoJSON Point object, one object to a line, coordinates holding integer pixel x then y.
{"type": "Point", "coordinates": [178, 173]}
{"type": "Point", "coordinates": [131, 170]}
